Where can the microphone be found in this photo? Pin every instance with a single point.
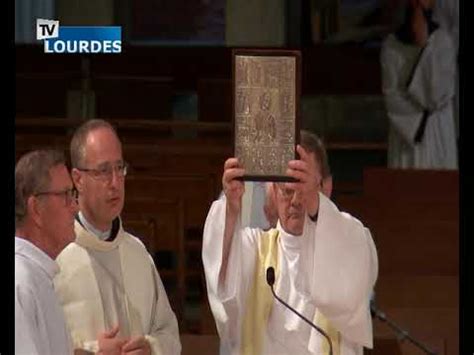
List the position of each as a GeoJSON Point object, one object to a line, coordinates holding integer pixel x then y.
{"type": "Point", "coordinates": [270, 282]}
{"type": "Point", "coordinates": [374, 311]}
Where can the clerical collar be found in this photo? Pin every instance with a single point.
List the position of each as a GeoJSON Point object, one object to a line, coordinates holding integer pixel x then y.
{"type": "Point", "coordinates": [99, 234]}
{"type": "Point", "coordinates": [286, 234]}
{"type": "Point", "coordinates": [290, 242]}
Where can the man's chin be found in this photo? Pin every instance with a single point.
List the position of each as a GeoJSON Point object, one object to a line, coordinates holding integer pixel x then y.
{"type": "Point", "coordinates": [115, 212]}
{"type": "Point", "coordinates": [294, 228]}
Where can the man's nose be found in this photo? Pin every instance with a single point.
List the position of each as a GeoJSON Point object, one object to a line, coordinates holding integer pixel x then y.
{"type": "Point", "coordinates": [114, 178]}
{"type": "Point", "coordinates": [297, 198]}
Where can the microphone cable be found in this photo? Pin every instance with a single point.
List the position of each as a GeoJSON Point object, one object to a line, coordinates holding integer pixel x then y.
{"type": "Point", "coordinates": [271, 281]}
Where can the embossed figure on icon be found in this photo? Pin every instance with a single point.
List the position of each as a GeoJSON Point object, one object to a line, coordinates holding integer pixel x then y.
{"type": "Point", "coordinates": [242, 72]}
{"type": "Point", "coordinates": [287, 106]}
{"type": "Point", "coordinates": [265, 126]}
{"type": "Point", "coordinates": [242, 103]}
{"type": "Point", "coordinates": [256, 73]}
{"type": "Point", "coordinates": [272, 77]}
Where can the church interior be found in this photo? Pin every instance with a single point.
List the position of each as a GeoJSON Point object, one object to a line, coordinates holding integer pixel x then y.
{"type": "Point", "coordinates": [169, 94]}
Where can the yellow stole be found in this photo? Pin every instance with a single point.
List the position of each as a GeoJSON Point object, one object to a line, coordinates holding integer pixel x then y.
{"type": "Point", "coordinates": [323, 323]}
{"type": "Point", "coordinates": [260, 299]}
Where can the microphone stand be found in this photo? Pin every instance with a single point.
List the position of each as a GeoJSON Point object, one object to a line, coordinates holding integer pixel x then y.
{"type": "Point", "coordinates": [271, 281]}
{"type": "Point", "coordinates": [401, 334]}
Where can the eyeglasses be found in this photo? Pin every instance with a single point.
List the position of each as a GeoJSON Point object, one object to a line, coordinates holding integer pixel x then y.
{"type": "Point", "coordinates": [70, 195]}
{"type": "Point", "coordinates": [105, 172]}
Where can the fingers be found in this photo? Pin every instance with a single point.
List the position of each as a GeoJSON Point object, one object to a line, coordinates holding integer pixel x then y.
{"type": "Point", "coordinates": [300, 176]}
{"type": "Point", "coordinates": [306, 171]}
{"type": "Point", "coordinates": [135, 352]}
{"type": "Point", "coordinates": [231, 163]}
{"type": "Point", "coordinates": [232, 170]}
{"type": "Point", "coordinates": [308, 163]}
{"type": "Point", "coordinates": [298, 165]}
{"type": "Point", "coordinates": [135, 343]}
{"type": "Point", "coordinates": [308, 157]}
{"type": "Point", "coordinates": [111, 345]}
{"type": "Point", "coordinates": [304, 155]}
{"type": "Point", "coordinates": [300, 170]}
{"type": "Point", "coordinates": [112, 332]}
{"type": "Point", "coordinates": [229, 182]}
{"type": "Point", "coordinates": [231, 174]}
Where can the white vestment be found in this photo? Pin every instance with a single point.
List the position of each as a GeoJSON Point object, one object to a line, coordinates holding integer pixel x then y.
{"type": "Point", "coordinates": [40, 327]}
{"type": "Point", "coordinates": [415, 80]}
{"type": "Point", "coordinates": [330, 269]}
{"type": "Point", "coordinates": [90, 304]}
{"type": "Point", "coordinates": [446, 14]}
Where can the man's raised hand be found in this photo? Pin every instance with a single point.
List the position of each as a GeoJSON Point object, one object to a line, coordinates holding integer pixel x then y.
{"type": "Point", "coordinates": [233, 189]}
{"type": "Point", "coordinates": [307, 171]}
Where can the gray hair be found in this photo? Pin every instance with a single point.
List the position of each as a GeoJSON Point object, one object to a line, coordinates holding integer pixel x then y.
{"type": "Point", "coordinates": [312, 143]}
{"type": "Point", "coordinates": [32, 175]}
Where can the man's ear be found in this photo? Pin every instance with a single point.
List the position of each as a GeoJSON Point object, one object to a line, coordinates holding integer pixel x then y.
{"type": "Point", "coordinates": [33, 207]}
{"type": "Point", "coordinates": [77, 179]}
{"type": "Point", "coordinates": [326, 188]}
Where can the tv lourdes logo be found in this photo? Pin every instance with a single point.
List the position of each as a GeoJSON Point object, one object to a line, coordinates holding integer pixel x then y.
{"type": "Point", "coordinates": [78, 39]}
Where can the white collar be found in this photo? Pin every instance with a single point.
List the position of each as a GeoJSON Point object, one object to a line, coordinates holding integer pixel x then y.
{"type": "Point", "coordinates": [90, 228]}
{"type": "Point", "coordinates": [289, 241]}
{"type": "Point", "coordinates": [36, 255]}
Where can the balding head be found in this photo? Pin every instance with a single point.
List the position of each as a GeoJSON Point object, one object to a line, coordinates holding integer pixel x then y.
{"type": "Point", "coordinates": [79, 139]}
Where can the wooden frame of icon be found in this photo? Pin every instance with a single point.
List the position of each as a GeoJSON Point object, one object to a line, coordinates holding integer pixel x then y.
{"type": "Point", "coordinates": [266, 115]}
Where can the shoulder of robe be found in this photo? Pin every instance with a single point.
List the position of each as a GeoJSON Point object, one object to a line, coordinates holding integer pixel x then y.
{"type": "Point", "coordinates": [390, 50]}
{"type": "Point", "coordinates": [136, 249]}
{"type": "Point", "coordinates": [345, 221]}
{"type": "Point", "coordinates": [443, 38]}
{"type": "Point", "coordinates": [24, 278]}
{"type": "Point", "coordinates": [70, 250]}
{"type": "Point", "coordinates": [134, 242]}
{"type": "Point", "coordinates": [71, 259]}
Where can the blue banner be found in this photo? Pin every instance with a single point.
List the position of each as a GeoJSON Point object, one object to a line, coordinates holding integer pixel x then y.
{"type": "Point", "coordinates": [98, 33]}
{"type": "Point", "coordinates": [91, 39]}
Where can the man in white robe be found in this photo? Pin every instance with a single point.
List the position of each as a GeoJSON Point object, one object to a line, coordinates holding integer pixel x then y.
{"type": "Point", "coordinates": [325, 262]}
{"type": "Point", "coordinates": [45, 205]}
{"type": "Point", "coordinates": [418, 82]}
{"type": "Point", "coordinates": [446, 13]}
{"type": "Point", "coordinates": [111, 293]}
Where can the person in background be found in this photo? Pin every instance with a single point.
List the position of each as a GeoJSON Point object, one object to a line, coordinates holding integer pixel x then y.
{"type": "Point", "coordinates": [418, 82]}
{"type": "Point", "coordinates": [45, 206]}
{"type": "Point", "coordinates": [446, 13]}
{"type": "Point", "coordinates": [112, 295]}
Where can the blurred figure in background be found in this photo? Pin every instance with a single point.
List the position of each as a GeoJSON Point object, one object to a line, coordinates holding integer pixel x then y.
{"type": "Point", "coordinates": [45, 205]}
{"type": "Point", "coordinates": [418, 81]}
